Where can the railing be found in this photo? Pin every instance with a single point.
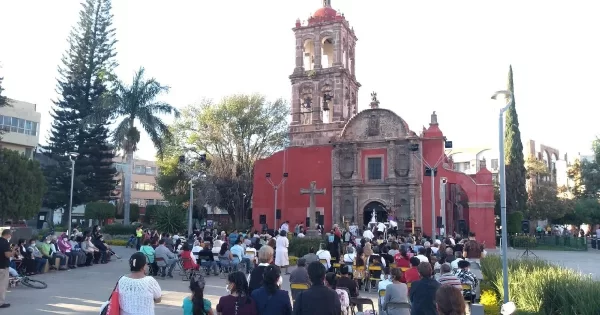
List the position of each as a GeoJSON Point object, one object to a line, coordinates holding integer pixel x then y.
{"type": "Point", "coordinates": [550, 242]}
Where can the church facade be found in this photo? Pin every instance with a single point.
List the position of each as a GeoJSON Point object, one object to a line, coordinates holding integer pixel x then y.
{"type": "Point", "coordinates": [367, 161]}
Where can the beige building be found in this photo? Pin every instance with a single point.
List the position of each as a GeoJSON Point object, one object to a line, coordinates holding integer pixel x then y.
{"type": "Point", "coordinates": [21, 125]}
{"type": "Point", "coordinates": [143, 182]}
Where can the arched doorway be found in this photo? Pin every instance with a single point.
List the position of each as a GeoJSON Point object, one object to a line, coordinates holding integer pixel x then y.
{"type": "Point", "coordinates": [380, 212]}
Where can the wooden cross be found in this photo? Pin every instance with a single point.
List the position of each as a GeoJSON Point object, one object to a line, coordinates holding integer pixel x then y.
{"type": "Point", "coordinates": [313, 192]}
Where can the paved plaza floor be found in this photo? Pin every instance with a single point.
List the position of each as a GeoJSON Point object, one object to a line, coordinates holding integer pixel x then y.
{"type": "Point", "coordinates": [83, 290]}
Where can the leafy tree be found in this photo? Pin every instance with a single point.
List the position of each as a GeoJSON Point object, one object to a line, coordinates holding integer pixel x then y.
{"type": "Point", "coordinates": [22, 186]}
{"type": "Point", "coordinates": [136, 103]}
{"type": "Point", "coordinates": [134, 212]}
{"type": "Point", "coordinates": [234, 133]}
{"type": "Point", "coordinates": [543, 202]}
{"type": "Point", "coordinates": [3, 100]}
{"type": "Point", "coordinates": [86, 69]}
{"type": "Point", "coordinates": [170, 219]}
{"type": "Point", "coordinates": [171, 180]}
{"type": "Point", "coordinates": [537, 171]}
{"type": "Point", "coordinates": [590, 172]}
{"type": "Point", "coordinates": [100, 211]}
{"type": "Point", "coordinates": [575, 175]}
{"type": "Point", "coordinates": [516, 194]}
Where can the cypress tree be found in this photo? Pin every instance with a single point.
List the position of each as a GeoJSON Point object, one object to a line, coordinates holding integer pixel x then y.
{"type": "Point", "coordinates": [86, 68]}
{"type": "Point", "coordinates": [516, 194]}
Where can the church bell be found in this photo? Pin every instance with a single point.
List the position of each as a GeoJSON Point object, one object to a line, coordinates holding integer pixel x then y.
{"type": "Point", "coordinates": [326, 99]}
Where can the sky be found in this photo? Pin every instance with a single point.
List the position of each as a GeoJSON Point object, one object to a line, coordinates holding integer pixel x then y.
{"type": "Point", "coordinates": [419, 56]}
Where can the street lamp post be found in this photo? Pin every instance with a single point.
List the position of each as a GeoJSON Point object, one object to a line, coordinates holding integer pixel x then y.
{"type": "Point", "coordinates": [72, 157]}
{"type": "Point", "coordinates": [275, 188]}
{"type": "Point", "coordinates": [182, 160]}
{"type": "Point", "coordinates": [508, 96]}
{"type": "Point", "coordinates": [191, 208]}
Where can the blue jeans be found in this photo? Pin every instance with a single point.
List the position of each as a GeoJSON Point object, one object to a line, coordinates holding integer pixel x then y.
{"type": "Point", "coordinates": [40, 263]}
{"type": "Point", "coordinates": [210, 265]}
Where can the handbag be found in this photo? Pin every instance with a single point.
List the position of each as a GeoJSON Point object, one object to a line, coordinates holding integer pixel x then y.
{"type": "Point", "coordinates": [112, 306]}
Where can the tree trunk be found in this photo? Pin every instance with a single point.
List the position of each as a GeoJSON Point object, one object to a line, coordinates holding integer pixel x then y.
{"type": "Point", "coordinates": [127, 187]}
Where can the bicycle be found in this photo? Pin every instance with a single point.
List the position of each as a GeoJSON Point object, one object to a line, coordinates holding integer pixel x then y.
{"type": "Point", "coordinates": [26, 281]}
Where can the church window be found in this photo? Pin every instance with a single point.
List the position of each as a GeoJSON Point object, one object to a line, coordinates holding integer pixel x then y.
{"type": "Point", "coordinates": [374, 168]}
{"type": "Point", "coordinates": [327, 53]}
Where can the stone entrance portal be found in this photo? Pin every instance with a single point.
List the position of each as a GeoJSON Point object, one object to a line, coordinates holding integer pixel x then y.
{"type": "Point", "coordinates": [380, 211]}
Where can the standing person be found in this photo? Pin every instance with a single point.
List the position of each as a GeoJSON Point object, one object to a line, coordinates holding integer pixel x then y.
{"type": "Point", "coordinates": [238, 302]}
{"type": "Point", "coordinates": [265, 257]}
{"type": "Point", "coordinates": [137, 292]}
{"type": "Point", "coordinates": [318, 299]}
{"type": "Point", "coordinates": [139, 234]}
{"type": "Point", "coordinates": [197, 304]}
{"type": "Point", "coordinates": [281, 251]}
{"type": "Point", "coordinates": [285, 226]}
{"type": "Point", "coordinates": [395, 301]}
{"type": "Point", "coordinates": [4, 263]}
{"type": "Point", "coordinates": [270, 299]}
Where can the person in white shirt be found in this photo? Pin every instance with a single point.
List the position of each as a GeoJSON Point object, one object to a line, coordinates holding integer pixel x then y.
{"type": "Point", "coordinates": [421, 255]}
{"type": "Point", "coordinates": [442, 231]}
{"type": "Point", "coordinates": [196, 249]}
{"type": "Point", "coordinates": [349, 257]}
{"type": "Point", "coordinates": [380, 229]}
{"type": "Point", "coordinates": [325, 254]}
{"type": "Point", "coordinates": [368, 234]}
{"type": "Point", "coordinates": [285, 227]}
{"type": "Point", "coordinates": [598, 233]}
{"type": "Point", "coordinates": [301, 235]}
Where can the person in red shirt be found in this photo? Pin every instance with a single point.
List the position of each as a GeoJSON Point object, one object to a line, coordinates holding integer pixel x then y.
{"type": "Point", "coordinates": [412, 274]}
{"type": "Point", "coordinates": [402, 259]}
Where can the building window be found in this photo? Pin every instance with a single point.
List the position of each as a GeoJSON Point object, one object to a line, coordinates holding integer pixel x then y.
{"type": "Point", "coordinates": [150, 202]}
{"type": "Point", "coordinates": [162, 202]}
{"type": "Point", "coordinates": [374, 168]}
{"type": "Point", "coordinates": [494, 164]}
{"type": "Point", "coordinates": [143, 186]}
{"type": "Point", "coordinates": [120, 167]}
{"type": "Point", "coordinates": [139, 169]}
{"type": "Point", "coordinates": [13, 124]}
{"type": "Point", "coordinates": [150, 170]}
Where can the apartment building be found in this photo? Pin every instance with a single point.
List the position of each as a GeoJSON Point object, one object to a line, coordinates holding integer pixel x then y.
{"type": "Point", "coordinates": [143, 182]}
{"type": "Point", "coordinates": [20, 123]}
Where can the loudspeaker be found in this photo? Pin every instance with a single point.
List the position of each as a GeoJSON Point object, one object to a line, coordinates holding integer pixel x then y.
{"type": "Point", "coordinates": [462, 227]}
{"type": "Point", "coordinates": [321, 220]}
{"type": "Point", "coordinates": [262, 219]}
{"type": "Point", "coordinates": [438, 222]}
{"type": "Point", "coordinates": [307, 222]}
{"type": "Point", "coordinates": [525, 226]}
{"type": "Point", "coordinates": [278, 214]}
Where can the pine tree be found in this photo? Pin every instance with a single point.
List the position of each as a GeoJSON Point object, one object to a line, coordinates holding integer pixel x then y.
{"type": "Point", "coordinates": [516, 193]}
{"type": "Point", "coordinates": [86, 68]}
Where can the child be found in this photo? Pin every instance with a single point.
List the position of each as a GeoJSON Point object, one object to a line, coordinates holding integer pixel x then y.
{"type": "Point", "coordinates": [196, 304]}
{"type": "Point", "coordinates": [131, 242]}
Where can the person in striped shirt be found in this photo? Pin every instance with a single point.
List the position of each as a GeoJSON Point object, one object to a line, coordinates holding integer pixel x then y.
{"type": "Point", "coordinates": [448, 278]}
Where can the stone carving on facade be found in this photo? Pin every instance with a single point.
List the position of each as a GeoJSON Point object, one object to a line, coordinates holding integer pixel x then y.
{"type": "Point", "coordinates": [402, 161]}
{"type": "Point", "coordinates": [373, 129]}
{"type": "Point", "coordinates": [346, 160]}
{"type": "Point", "coordinates": [348, 207]}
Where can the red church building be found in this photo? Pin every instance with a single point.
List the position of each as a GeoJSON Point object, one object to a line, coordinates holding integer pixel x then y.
{"type": "Point", "coordinates": [365, 161]}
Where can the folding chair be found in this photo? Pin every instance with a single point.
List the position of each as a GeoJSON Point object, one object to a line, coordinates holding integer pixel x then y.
{"type": "Point", "coordinates": [380, 295]}
{"type": "Point", "coordinates": [160, 269]}
{"type": "Point", "coordinates": [371, 278]}
{"type": "Point", "coordinates": [404, 269]}
{"type": "Point", "coordinates": [296, 288]}
{"type": "Point", "coordinates": [188, 270]}
{"type": "Point", "coordinates": [468, 293]}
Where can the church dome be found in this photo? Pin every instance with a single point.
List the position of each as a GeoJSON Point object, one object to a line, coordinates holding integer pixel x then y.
{"type": "Point", "coordinates": [325, 13]}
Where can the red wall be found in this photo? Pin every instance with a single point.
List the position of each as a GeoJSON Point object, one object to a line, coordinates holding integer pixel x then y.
{"type": "Point", "coordinates": [480, 191]}
{"type": "Point", "coordinates": [303, 165]}
{"type": "Point", "coordinates": [365, 154]}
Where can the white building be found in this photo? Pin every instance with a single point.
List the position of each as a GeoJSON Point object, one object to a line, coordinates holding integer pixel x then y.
{"type": "Point", "coordinates": [20, 123]}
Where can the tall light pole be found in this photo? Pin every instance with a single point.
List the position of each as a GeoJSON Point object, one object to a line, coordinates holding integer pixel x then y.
{"type": "Point", "coordinates": [509, 100]}
{"type": "Point", "coordinates": [275, 188]}
{"type": "Point", "coordinates": [431, 170]}
{"type": "Point", "coordinates": [182, 160]}
{"type": "Point", "coordinates": [72, 157]}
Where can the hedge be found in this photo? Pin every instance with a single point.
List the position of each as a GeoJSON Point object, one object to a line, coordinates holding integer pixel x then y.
{"type": "Point", "coordinates": [300, 246]}
{"type": "Point", "coordinates": [539, 287]}
{"type": "Point", "coordinates": [116, 242]}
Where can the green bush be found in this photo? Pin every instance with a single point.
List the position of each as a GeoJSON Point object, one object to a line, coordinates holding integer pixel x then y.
{"type": "Point", "coordinates": [538, 287]}
{"type": "Point", "coordinates": [116, 242]}
{"type": "Point", "coordinates": [300, 246]}
{"type": "Point", "coordinates": [119, 229]}
{"type": "Point", "coordinates": [170, 219]}
{"type": "Point", "coordinates": [523, 241]}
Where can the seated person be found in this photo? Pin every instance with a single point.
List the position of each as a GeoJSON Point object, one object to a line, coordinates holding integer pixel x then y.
{"type": "Point", "coordinates": [89, 249]}
{"type": "Point", "coordinates": [412, 274]}
{"type": "Point", "coordinates": [189, 263]}
{"type": "Point", "coordinates": [467, 277]}
{"type": "Point", "coordinates": [238, 251]}
{"type": "Point", "coordinates": [196, 249]}
{"type": "Point", "coordinates": [47, 253]}
{"type": "Point", "coordinates": [26, 257]}
{"type": "Point", "coordinates": [40, 261]}
{"type": "Point", "coordinates": [64, 246]}
{"type": "Point", "coordinates": [311, 256]}
{"type": "Point", "coordinates": [168, 261]}
{"type": "Point", "coordinates": [148, 250]}
{"type": "Point", "coordinates": [102, 256]}
{"type": "Point", "coordinates": [402, 259]}
{"type": "Point", "coordinates": [226, 258]}
{"type": "Point", "coordinates": [207, 260]}
{"type": "Point", "coordinates": [325, 255]}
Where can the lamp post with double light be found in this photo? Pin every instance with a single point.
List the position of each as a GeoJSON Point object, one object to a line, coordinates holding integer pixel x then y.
{"type": "Point", "coordinates": [275, 188]}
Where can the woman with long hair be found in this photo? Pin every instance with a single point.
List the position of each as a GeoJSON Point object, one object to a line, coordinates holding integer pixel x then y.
{"type": "Point", "coordinates": [197, 304]}
{"type": "Point", "coordinates": [402, 259]}
{"type": "Point", "coordinates": [270, 299]}
{"type": "Point", "coordinates": [237, 302]}
{"type": "Point", "coordinates": [226, 258]}
{"type": "Point", "coordinates": [137, 292]}
{"type": "Point", "coordinates": [450, 301]}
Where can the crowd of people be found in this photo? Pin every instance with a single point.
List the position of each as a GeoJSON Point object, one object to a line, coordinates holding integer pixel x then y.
{"type": "Point", "coordinates": [411, 275]}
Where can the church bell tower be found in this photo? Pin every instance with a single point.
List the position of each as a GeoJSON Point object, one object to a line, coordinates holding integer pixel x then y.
{"type": "Point", "coordinates": [324, 86]}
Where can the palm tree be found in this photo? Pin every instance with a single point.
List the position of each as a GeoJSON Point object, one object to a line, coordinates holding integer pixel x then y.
{"type": "Point", "coordinates": [137, 102]}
